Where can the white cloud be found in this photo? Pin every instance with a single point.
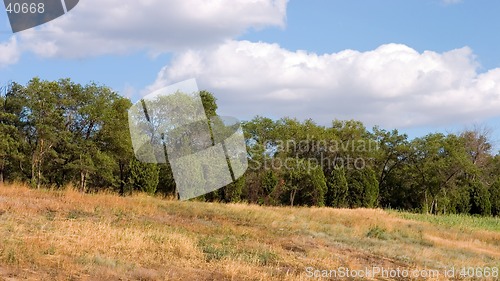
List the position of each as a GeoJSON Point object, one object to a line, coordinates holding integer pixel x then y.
{"type": "Point", "coordinates": [9, 52]}
{"type": "Point", "coordinates": [97, 27]}
{"type": "Point", "coordinates": [392, 86]}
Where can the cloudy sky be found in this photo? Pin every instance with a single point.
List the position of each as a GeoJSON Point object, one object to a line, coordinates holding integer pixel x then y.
{"type": "Point", "coordinates": [416, 65]}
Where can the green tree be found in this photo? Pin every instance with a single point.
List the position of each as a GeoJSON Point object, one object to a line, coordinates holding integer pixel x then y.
{"type": "Point", "coordinates": [480, 199]}
{"type": "Point", "coordinates": [261, 150]}
{"type": "Point", "coordinates": [393, 154]}
{"type": "Point", "coordinates": [144, 176]}
{"type": "Point", "coordinates": [269, 182]}
{"type": "Point", "coordinates": [363, 188]}
{"type": "Point", "coordinates": [438, 162]}
{"type": "Point", "coordinates": [305, 183]}
{"type": "Point", "coordinates": [209, 103]}
{"type": "Point", "coordinates": [233, 191]}
{"type": "Point", "coordinates": [495, 197]}
{"type": "Point", "coordinates": [166, 184]}
{"type": "Point", "coordinates": [338, 189]}
{"type": "Point", "coordinates": [115, 143]}
{"type": "Point", "coordinates": [9, 139]}
{"type": "Point", "coordinates": [43, 124]}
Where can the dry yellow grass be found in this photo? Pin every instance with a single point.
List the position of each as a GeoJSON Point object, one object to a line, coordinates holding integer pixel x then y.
{"type": "Point", "coordinates": [66, 235]}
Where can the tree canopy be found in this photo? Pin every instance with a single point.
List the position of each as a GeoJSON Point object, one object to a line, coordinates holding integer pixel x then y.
{"type": "Point", "coordinates": [59, 133]}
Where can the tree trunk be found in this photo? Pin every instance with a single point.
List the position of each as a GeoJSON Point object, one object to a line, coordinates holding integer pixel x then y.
{"type": "Point", "coordinates": [2, 167]}
{"type": "Point", "coordinates": [33, 168]}
{"type": "Point", "coordinates": [432, 206]}
{"type": "Point", "coordinates": [292, 196]}
{"type": "Point", "coordinates": [122, 178]}
{"type": "Point", "coordinates": [83, 181]}
{"type": "Point", "coordinates": [36, 165]}
{"type": "Point", "coordinates": [39, 174]}
{"type": "Point", "coordinates": [426, 203]}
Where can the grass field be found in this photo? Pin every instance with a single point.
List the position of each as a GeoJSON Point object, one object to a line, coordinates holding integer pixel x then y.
{"type": "Point", "coordinates": [66, 235]}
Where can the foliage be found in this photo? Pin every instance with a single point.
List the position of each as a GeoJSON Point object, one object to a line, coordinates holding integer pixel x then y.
{"type": "Point", "coordinates": [495, 197]}
{"type": "Point", "coordinates": [304, 184]}
{"type": "Point", "coordinates": [144, 176]}
{"type": "Point", "coordinates": [55, 133]}
{"type": "Point", "coordinates": [338, 188]}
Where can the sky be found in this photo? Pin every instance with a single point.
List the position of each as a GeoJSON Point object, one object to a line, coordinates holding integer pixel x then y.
{"type": "Point", "coordinates": [419, 66]}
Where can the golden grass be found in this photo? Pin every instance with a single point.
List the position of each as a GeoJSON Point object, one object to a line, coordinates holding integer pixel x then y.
{"type": "Point", "coordinates": [67, 235]}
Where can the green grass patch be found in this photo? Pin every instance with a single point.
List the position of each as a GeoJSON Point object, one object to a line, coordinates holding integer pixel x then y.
{"type": "Point", "coordinates": [453, 220]}
{"type": "Point", "coordinates": [377, 232]}
{"type": "Point", "coordinates": [229, 248]}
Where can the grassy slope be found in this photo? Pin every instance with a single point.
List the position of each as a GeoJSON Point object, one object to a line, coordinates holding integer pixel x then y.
{"type": "Point", "coordinates": [46, 235]}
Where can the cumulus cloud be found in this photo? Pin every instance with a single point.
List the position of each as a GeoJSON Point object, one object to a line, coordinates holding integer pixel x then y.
{"type": "Point", "coordinates": [392, 86]}
{"type": "Point", "coordinates": [97, 27]}
{"type": "Point", "coordinates": [9, 52]}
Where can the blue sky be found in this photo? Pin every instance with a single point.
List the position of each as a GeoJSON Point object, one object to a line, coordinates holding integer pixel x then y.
{"type": "Point", "coordinates": [326, 26]}
{"type": "Point", "coordinates": [416, 65]}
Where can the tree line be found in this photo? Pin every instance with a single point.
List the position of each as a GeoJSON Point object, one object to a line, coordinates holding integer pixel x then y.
{"type": "Point", "coordinates": [60, 133]}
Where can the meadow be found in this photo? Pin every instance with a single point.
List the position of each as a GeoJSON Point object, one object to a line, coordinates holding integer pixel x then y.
{"type": "Point", "coordinates": [68, 235]}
